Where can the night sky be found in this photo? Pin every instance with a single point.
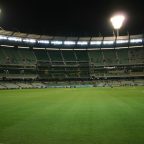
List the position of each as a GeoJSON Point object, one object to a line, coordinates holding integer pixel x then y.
{"type": "Point", "coordinates": [71, 17]}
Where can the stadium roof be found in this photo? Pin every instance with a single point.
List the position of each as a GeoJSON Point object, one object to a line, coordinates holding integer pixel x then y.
{"type": "Point", "coordinates": [61, 38]}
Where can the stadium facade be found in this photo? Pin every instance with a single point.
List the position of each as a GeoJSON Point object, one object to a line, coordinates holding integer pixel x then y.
{"type": "Point", "coordinates": [41, 57]}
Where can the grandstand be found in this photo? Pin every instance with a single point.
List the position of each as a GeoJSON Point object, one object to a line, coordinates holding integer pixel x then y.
{"type": "Point", "coordinates": [71, 90]}
{"type": "Point", "coordinates": [51, 58]}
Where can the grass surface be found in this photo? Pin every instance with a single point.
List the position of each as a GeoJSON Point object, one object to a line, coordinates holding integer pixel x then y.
{"type": "Point", "coordinates": [72, 116]}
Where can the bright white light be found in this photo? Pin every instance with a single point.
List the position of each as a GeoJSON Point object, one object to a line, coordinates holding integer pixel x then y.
{"type": "Point", "coordinates": [69, 42]}
{"type": "Point", "coordinates": [82, 42]}
{"type": "Point", "coordinates": [117, 21]}
{"type": "Point", "coordinates": [136, 41]}
{"type": "Point", "coordinates": [56, 42]}
{"type": "Point", "coordinates": [108, 42]}
{"type": "Point", "coordinates": [121, 41]}
{"type": "Point", "coordinates": [29, 40]}
{"type": "Point", "coordinates": [43, 41]}
{"type": "Point", "coordinates": [14, 39]}
{"type": "Point", "coordinates": [3, 37]}
{"type": "Point", "coordinates": [95, 43]}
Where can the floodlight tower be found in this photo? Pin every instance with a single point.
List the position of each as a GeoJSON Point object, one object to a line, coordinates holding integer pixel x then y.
{"type": "Point", "coordinates": [117, 22]}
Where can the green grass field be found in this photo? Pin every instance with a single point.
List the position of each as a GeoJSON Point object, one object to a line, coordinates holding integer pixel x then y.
{"type": "Point", "coordinates": [72, 116]}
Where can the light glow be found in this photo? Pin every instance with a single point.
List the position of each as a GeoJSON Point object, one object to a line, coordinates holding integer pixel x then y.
{"type": "Point", "coordinates": [14, 39]}
{"type": "Point", "coordinates": [29, 40]}
{"type": "Point", "coordinates": [121, 41]}
{"type": "Point", "coordinates": [108, 42]}
{"type": "Point", "coordinates": [82, 42]}
{"type": "Point", "coordinates": [95, 43]}
{"type": "Point", "coordinates": [3, 37]}
{"type": "Point", "coordinates": [117, 21]}
{"type": "Point", "coordinates": [136, 41]}
{"type": "Point", "coordinates": [56, 42]}
{"type": "Point", "coordinates": [43, 41]}
{"type": "Point", "coordinates": [69, 42]}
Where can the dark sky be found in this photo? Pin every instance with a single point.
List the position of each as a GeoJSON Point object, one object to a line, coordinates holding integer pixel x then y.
{"type": "Point", "coordinates": [71, 17]}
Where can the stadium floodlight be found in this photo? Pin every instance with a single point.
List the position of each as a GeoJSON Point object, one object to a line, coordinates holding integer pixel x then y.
{"type": "Point", "coordinates": [117, 22]}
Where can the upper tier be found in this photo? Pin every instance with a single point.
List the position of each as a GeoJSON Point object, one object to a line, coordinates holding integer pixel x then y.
{"type": "Point", "coordinates": [79, 43]}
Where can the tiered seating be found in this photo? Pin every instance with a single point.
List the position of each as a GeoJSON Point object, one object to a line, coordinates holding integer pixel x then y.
{"type": "Point", "coordinates": [27, 56]}
{"type": "Point", "coordinates": [84, 74]}
{"type": "Point", "coordinates": [72, 69]}
{"type": "Point", "coordinates": [96, 57]}
{"type": "Point", "coordinates": [2, 73]}
{"type": "Point", "coordinates": [2, 87]}
{"type": "Point", "coordinates": [82, 56]}
{"type": "Point", "coordinates": [136, 56]}
{"type": "Point", "coordinates": [58, 69]}
{"type": "Point", "coordinates": [24, 85]}
{"type": "Point", "coordinates": [41, 55]}
{"type": "Point", "coordinates": [73, 75]}
{"type": "Point", "coordinates": [11, 56]}
{"type": "Point", "coordinates": [123, 56]}
{"type": "Point", "coordinates": [45, 76]}
{"type": "Point", "coordinates": [58, 75]}
{"type": "Point", "coordinates": [10, 85]}
{"type": "Point", "coordinates": [69, 57]}
{"type": "Point", "coordinates": [139, 82]}
{"type": "Point", "coordinates": [109, 57]}
{"type": "Point", "coordinates": [2, 57]}
{"type": "Point", "coordinates": [17, 56]}
{"type": "Point", "coordinates": [23, 63]}
{"type": "Point", "coordinates": [38, 85]}
{"type": "Point", "coordinates": [55, 56]}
